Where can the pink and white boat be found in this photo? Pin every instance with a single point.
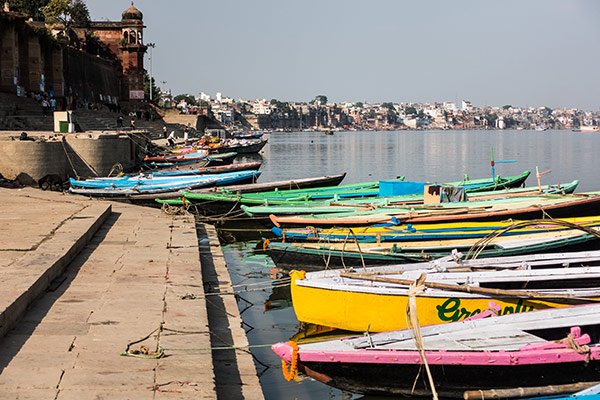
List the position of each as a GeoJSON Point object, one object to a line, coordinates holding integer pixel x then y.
{"type": "Point", "coordinates": [549, 347]}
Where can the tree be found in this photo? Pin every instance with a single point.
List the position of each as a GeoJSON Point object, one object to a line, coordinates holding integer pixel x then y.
{"type": "Point", "coordinates": [189, 99]}
{"type": "Point", "coordinates": [67, 12]}
{"type": "Point", "coordinates": [506, 106]}
{"type": "Point", "coordinates": [321, 100]}
{"type": "Point", "coordinates": [389, 106]}
{"type": "Point", "coordinates": [491, 119]}
{"type": "Point", "coordinates": [33, 8]}
{"type": "Point", "coordinates": [155, 89]}
{"type": "Point", "coordinates": [410, 110]}
{"type": "Point", "coordinates": [359, 104]}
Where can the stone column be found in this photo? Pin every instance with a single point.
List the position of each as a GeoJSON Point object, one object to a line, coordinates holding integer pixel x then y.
{"type": "Point", "coordinates": [35, 63]}
{"type": "Point", "coordinates": [8, 58]}
{"type": "Point", "coordinates": [23, 60]}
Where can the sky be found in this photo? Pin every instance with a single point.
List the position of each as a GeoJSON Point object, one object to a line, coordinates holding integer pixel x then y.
{"type": "Point", "coordinates": [526, 53]}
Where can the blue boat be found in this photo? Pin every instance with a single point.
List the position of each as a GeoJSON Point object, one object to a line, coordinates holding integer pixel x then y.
{"type": "Point", "coordinates": [145, 182]}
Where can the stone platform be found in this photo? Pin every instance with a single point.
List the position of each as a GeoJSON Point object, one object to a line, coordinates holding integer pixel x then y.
{"type": "Point", "coordinates": [84, 281]}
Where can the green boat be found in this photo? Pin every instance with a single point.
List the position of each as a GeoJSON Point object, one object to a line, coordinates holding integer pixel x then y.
{"type": "Point", "coordinates": [355, 205]}
{"type": "Point", "coordinates": [226, 203]}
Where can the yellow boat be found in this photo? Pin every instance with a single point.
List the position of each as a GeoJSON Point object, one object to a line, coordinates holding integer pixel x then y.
{"type": "Point", "coordinates": [331, 298]}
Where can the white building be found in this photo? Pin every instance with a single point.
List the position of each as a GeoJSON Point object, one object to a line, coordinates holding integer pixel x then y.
{"type": "Point", "coordinates": [262, 107]}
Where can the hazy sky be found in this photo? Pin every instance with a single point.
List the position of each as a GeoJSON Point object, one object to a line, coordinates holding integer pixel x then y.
{"type": "Point", "coordinates": [519, 52]}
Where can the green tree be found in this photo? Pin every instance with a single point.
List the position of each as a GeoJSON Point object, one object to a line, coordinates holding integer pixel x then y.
{"type": "Point", "coordinates": [359, 104]}
{"type": "Point", "coordinates": [389, 106]}
{"type": "Point", "coordinates": [491, 119]}
{"type": "Point", "coordinates": [506, 106]}
{"type": "Point", "coordinates": [321, 99]}
{"type": "Point", "coordinates": [33, 8]}
{"type": "Point", "coordinates": [155, 89]}
{"type": "Point", "coordinates": [189, 99]}
{"type": "Point", "coordinates": [67, 12]}
{"type": "Point", "coordinates": [410, 110]}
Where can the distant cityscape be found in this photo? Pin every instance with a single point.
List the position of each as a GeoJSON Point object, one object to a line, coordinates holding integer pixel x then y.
{"type": "Point", "coordinates": [321, 114]}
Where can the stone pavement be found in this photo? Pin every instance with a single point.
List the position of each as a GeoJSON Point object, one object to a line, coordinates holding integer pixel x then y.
{"type": "Point", "coordinates": [136, 283]}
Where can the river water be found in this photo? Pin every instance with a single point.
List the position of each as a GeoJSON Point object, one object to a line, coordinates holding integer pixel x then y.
{"type": "Point", "coordinates": [434, 156]}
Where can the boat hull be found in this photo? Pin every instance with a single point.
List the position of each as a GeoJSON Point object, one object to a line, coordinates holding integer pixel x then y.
{"type": "Point", "coordinates": [450, 380]}
{"type": "Point", "coordinates": [354, 311]}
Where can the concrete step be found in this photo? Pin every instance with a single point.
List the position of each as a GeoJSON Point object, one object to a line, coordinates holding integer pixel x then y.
{"type": "Point", "coordinates": [134, 277]}
{"type": "Point", "coordinates": [30, 273]}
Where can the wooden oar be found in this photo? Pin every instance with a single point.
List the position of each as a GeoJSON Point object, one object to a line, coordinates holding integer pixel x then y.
{"type": "Point", "coordinates": [525, 294]}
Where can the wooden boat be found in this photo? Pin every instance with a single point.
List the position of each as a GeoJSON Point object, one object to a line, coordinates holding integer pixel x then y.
{"type": "Point", "coordinates": [439, 231]}
{"type": "Point", "coordinates": [224, 158]}
{"type": "Point", "coordinates": [547, 347]}
{"type": "Point", "coordinates": [219, 203]}
{"type": "Point", "coordinates": [373, 299]}
{"type": "Point", "coordinates": [151, 180]}
{"type": "Point", "coordinates": [188, 156]}
{"type": "Point", "coordinates": [248, 166]}
{"type": "Point", "coordinates": [133, 188]}
{"type": "Point", "coordinates": [313, 255]}
{"type": "Point", "coordinates": [361, 204]}
{"type": "Point", "coordinates": [246, 146]}
{"type": "Point", "coordinates": [302, 183]}
{"type": "Point", "coordinates": [556, 206]}
{"type": "Point", "coordinates": [228, 202]}
{"type": "Point", "coordinates": [248, 135]}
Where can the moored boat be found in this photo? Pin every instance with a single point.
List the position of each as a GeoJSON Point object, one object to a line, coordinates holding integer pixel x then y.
{"type": "Point", "coordinates": [322, 255]}
{"type": "Point", "coordinates": [372, 300]}
{"type": "Point", "coordinates": [547, 347]}
{"type": "Point", "coordinates": [555, 206]}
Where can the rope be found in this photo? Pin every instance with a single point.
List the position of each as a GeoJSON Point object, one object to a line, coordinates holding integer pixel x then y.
{"type": "Point", "coordinates": [480, 245]}
{"type": "Point", "coordinates": [174, 210]}
{"type": "Point", "coordinates": [64, 143]}
{"type": "Point", "coordinates": [580, 349]}
{"type": "Point", "coordinates": [412, 319]}
{"type": "Point", "coordinates": [69, 158]}
{"type": "Point", "coordinates": [144, 351]}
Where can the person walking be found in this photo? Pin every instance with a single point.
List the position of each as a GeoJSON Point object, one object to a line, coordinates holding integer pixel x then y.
{"type": "Point", "coordinates": [171, 138]}
{"type": "Point", "coordinates": [120, 121]}
{"type": "Point", "coordinates": [164, 132]}
{"type": "Point", "coordinates": [45, 106]}
{"type": "Point", "coordinates": [132, 124]}
{"type": "Point", "coordinates": [186, 135]}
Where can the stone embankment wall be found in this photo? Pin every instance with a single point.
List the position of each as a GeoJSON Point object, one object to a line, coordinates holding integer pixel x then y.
{"type": "Point", "coordinates": [78, 155]}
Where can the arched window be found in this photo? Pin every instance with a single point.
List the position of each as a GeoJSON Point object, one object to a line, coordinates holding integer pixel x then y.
{"type": "Point", "coordinates": [132, 37]}
{"type": "Point", "coordinates": [139, 35]}
{"type": "Point", "coordinates": [126, 37]}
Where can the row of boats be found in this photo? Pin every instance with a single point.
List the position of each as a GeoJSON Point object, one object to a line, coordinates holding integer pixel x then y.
{"type": "Point", "coordinates": [471, 289]}
{"type": "Point", "coordinates": [464, 289]}
{"type": "Point", "coordinates": [175, 169]}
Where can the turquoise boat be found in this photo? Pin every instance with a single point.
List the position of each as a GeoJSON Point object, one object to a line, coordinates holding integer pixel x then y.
{"type": "Point", "coordinates": [220, 203]}
{"type": "Point", "coordinates": [355, 205]}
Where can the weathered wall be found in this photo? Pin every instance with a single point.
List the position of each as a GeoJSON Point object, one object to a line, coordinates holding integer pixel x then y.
{"type": "Point", "coordinates": [30, 161]}
{"type": "Point", "coordinates": [101, 152]}
{"type": "Point", "coordinates": [88, 77]}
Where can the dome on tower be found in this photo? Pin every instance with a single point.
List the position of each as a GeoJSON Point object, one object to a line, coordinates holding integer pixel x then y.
{"type": "Point", "coordinates": [132, 13]}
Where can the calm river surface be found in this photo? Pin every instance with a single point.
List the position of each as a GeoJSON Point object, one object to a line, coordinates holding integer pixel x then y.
{"type": "Point", "coordinates": [367, 156]}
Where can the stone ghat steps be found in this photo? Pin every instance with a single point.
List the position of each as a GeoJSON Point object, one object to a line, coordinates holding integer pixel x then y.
{"type": "Point", "coordinates": [47, 263]}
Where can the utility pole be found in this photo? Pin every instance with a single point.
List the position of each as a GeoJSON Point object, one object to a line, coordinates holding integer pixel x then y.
{"type": "Point", "coordinates": [151, 46]}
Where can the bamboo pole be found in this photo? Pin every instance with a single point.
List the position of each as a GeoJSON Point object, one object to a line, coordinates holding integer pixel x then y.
{"type": "Point", "coordinates": [527, 391]}
{"type": "Point", "coordinates": [524, 294]}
